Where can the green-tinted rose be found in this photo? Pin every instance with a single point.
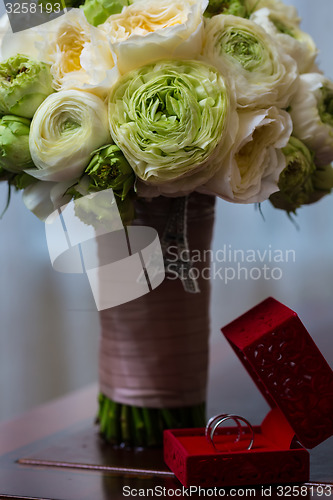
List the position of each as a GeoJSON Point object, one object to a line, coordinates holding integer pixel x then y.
{"type": "Point", "coordinates": [14, 143]}
{"type": "Point", "coordinates": [233, 7]}
{"type": "Point", "coordinates": [109, 168]}
{"type": "Point", "coordinates": [97, 11]}
{"type": "Point", "coordinates": [301, 182]}
{"type": "Point", "coordinates": [24, 84]}
{"type": "Point", "coordinates": [168, 119]}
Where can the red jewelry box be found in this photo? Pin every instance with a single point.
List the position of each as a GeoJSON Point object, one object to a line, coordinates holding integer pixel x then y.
{"type": "Point", "coordinates": [297, 382]}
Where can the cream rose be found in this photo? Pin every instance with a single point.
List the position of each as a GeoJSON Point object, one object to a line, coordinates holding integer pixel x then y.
{"type": "Point", "coordinates": [250, 172]}
{"type": "Point", "coordinates": [148, 30]}
{"type": "Point", "coordinates": [79, 54]}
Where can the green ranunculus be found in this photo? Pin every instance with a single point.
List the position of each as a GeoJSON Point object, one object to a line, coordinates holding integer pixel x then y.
{"type": "Point", "coordinates": [24, 84]}
{"type": "Point", "coordinates": [296, 182]}
{"type": "Point", "coordinates": [98, 11]}
{"type": "Point", "coordinates": [109, 168]}
{"type": "Point", "coordinates": [233, 7]}
{"type": "Point", "coordinates": [14, 143]}
{"type": "Point", "coordinates": [168, 119]}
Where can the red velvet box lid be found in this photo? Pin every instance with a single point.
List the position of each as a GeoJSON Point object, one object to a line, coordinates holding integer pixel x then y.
{"type": "Point", "coordinates": [287, 367]}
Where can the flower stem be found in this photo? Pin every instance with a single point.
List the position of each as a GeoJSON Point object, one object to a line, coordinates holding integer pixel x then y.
{"type": "Point", "coordinates": [123, 425]}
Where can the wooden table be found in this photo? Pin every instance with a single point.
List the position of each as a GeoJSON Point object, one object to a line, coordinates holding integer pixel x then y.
{"type": "Point", "coordinates": [54, 452]}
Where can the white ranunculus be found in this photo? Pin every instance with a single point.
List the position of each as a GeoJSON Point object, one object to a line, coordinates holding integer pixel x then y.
{"type": "Point", "coordinates": [170, 119]}
{"type": "Point", "coordinates": [312, 115]}
{"type": "Point", "coordinates": [79, 54]}
{"type": "Point", "coordinates": [293, 41]}
{"type": "Point", "coordinates": [147, 31]}
{"type": "Point", "coordinates": [251, 171]}
{"type": "Point", "coordinates": [259, 70]}
{"type": "Point", "coordinates": [276, 6]}
{"type": "Point", "coordinates": [66, 128]}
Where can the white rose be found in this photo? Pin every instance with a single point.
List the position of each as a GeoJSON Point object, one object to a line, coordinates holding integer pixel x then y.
{"type": "Point", "coordinates": [79, 54]}
{"type": "Point", "coordinates": [147, 31]}
{"type": "Point", "coordinates": [66, 128]}
{"type": "Point", "coordinates": [259, 70]}
{"type": "Point", "coordinates": [251, 171]}
{"type": "Point", "coordinates": [293, 41]}
{"type": "Point", "coordinates": [312, 115]}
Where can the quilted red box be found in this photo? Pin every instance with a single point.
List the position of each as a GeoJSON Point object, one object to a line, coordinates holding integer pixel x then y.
{"type": "Point", "coordinates": [297, 382]}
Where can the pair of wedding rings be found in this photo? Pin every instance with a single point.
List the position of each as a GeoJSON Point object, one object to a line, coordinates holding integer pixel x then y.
{"type": "Point", "coordinates": [244, 435]}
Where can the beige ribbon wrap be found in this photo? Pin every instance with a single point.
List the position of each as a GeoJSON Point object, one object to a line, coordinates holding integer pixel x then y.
{"type": "Point", "coordinates": [154, 350]}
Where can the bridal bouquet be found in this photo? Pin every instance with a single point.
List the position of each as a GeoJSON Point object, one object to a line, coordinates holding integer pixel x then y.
{"type": "Point", "coordinates": [165, 97]}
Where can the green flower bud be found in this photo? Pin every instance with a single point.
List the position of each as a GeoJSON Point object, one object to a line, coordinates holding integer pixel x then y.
{"type": "Point", "coordinates": [14, 143]}
{"type": "Point", "coordinates": [322, 180]}
{"type": "Point", "coordinates": [109, 168]}
{"type": "Point", "coordinates": [24, 84]}
{"type": "Point", "coordinates": [296, 180]}
{"type": "Point", "coordinates": [4, 174]}
{"type": "Point", "coordinates": [231, 7]}
{"type": "Point", "coordinates": [98, 11]}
